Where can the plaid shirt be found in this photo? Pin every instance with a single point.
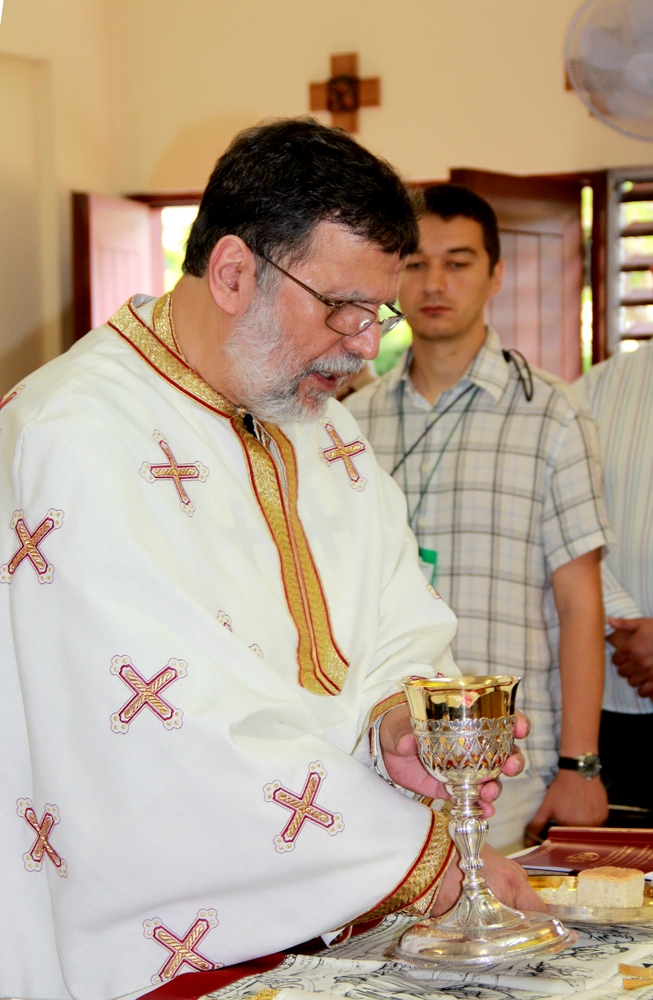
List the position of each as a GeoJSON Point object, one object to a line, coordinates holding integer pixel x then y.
{"type": "Point", "coordinates": [516, 493]}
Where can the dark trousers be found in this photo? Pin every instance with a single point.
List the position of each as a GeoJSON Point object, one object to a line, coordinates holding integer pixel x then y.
{"type": "Point", "coordinates": [626, 752]}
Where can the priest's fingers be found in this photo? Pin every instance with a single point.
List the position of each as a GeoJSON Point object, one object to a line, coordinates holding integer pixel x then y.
{"type": "Point", "coordinates": [522, 725]}
{"type": "Point", "coordinates": [515, 764]}
{"type": "Point", "coordinates": [449, 888]}
{"type": "Point", "coordinates": [488, 794]}
{"type": "Point", "coordinates": [409, 773]}
{"type": "Point", "coordinates": [506, 878]}
{"type": "Point", "coordinates": [509, 883]}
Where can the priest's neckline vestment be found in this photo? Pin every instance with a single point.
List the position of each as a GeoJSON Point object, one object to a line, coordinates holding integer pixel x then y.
{"type": "Point", "coordinates": [198, 625]}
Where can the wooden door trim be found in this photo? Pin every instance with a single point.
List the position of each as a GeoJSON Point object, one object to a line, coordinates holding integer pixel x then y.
{"type": "Point", "coordinates": [81, 265]}
{"type": "Point", "coordinates": [163, 199]}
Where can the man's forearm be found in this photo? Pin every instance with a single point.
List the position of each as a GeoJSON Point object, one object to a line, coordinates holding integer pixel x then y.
{"type": "Point", "coordinates": [582, 670]}
{"type": "Point", "coordinates": [572, 800]}
{"type": "Point", "coordinates": [577, 592]}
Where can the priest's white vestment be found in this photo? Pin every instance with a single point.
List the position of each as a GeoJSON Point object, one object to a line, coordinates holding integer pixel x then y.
{"type": "Point", "coordinates": [200, 617]}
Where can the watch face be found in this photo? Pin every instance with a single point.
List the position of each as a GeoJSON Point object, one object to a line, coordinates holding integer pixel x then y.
{"type": "Point", "coordinates": [589, 764]}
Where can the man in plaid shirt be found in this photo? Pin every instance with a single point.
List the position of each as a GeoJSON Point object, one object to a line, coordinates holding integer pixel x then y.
{"type": "Point", "coordinates": [500, 466]}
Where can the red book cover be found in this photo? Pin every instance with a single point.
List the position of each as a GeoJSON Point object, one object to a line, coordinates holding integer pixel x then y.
{"type": "Point", "coordinates": [573, 848]}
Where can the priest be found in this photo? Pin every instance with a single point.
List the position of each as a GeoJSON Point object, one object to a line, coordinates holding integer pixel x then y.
{"type": "Point", "coordinates": [208, 599]}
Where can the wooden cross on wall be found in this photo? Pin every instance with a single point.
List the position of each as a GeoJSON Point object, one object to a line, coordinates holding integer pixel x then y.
{"type": "Point", "coordinates": [345, 92]}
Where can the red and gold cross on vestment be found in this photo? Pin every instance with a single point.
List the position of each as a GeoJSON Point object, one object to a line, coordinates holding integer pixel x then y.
{"type": "Point", "coordinates": [175, 472]}
{"type": "Point", "coordinates": [29, 546]}
{"type": "Point", "coordinates": [342, 452]}
{"type": "Point", "coordinates": [183, 951]}
{"type": "Point", "coordinates": [147, 694]}
{"type": "Point", "coordinates": [303, 808]}
{"type": "Point", "coordinates": [41, 848]}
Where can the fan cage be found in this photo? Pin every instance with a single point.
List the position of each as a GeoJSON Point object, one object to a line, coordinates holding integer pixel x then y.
{"type": "Point", "coordinates": [605, 91]}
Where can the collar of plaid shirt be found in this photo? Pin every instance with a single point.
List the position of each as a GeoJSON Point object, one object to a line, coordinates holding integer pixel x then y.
{"type": "Point", "coordinates": [489, 370]}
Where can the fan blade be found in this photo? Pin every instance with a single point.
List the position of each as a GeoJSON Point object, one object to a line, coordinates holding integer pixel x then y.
{"type": "Point", "coordinates": [640, 15]}
{"type": "Point", "coordinates": [626, 105]}
{"type": "Point", "coordinates": [602, 51]}
{"type": "Point", "coordinates": [638, 74]}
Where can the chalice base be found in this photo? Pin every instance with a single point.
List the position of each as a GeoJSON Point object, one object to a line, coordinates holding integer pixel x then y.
{"type": "Point", "coordinates": [442, 941]}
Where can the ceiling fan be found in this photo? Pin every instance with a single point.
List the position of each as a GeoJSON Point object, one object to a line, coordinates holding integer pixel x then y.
{"type": "Point", "coordinates": [609, 56]}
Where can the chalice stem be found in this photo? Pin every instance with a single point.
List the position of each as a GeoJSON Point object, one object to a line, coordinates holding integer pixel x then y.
{"type": "Point", "coordinates": [468, 830]}
{"type": "Point", "coordinates": [477, 906]}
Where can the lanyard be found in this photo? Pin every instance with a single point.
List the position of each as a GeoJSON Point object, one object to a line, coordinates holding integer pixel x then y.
{"type": "Point", "coordinates": [428, 555]}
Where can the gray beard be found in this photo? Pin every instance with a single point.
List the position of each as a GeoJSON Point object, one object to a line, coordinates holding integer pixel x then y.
{"type": "Point", "coordinates": [266, 367]}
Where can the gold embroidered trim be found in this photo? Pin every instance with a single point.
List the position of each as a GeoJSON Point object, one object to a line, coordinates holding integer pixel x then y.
{"type": "Point", "coordinates": [419, 887]}
{"type": "Point", "coordinates": [322, 666]}
{"type": "Point", "coordinates": [392, 701]}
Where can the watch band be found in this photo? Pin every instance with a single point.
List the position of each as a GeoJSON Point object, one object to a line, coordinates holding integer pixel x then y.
{"type": "Point", "coordinates": [588, 764]}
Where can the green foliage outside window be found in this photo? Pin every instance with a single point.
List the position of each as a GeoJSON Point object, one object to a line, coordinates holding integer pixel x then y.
{"type": "Point", "coordinates": [393, 345]}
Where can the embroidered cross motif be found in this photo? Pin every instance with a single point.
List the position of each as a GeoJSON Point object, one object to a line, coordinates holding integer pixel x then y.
{"type": "Point", "coordinates": [183, 951]}
{"type": "Point", "coordinates": [225, 620]}
{"type": "Point", "coordinates": [11, 395]}
{"type": "Point", "coordinates": [147, 693]}
{"type": "Point", "coordinates": [41, 847]}
{"type": "Point", "coordinates": [303, 808]}
{"type": "Point", "coordinates": [29, 546]}
{"type": "Point", "coordinates": [177, 473]}
{"type": "Point", "coordinates": [342, 452]}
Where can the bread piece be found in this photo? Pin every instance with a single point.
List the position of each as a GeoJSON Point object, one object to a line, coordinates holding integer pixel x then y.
{"type": "Point", "coordinates": [637, 971]}
{"type": "Point", "coordinates": [562, 895]}
{"type": "Point", "coordinates": [610, 887]}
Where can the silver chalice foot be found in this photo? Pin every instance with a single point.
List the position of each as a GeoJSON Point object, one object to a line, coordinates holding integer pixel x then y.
{"type": "Point", "coordinates": [464, 728]}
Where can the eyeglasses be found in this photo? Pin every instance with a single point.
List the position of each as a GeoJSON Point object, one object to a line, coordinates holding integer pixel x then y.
{"type": "Point", "coordinates": [348, 318]}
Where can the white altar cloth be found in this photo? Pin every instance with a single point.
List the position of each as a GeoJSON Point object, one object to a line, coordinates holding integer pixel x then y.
{"type": "Point", "coordinates": [362, 970]}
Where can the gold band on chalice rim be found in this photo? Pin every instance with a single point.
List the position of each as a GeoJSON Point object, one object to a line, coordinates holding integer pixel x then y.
{"type": "Point", "coordinates": [459, 698]}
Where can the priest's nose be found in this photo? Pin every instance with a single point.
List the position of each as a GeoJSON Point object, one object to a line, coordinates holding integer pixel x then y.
{"type": "Point", "coordinates": [365, 344]}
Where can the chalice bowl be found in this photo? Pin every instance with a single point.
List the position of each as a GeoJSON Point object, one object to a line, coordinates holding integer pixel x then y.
{"type": "Point", "coordinates": [464, 727]}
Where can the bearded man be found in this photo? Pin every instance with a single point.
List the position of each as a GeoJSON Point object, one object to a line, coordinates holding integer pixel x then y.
{"type": "Point", "coordinates": [209, 596]}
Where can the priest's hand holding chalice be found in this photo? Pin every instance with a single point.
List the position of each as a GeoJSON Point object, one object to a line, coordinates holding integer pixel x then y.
{"type": "Point", "coordinates": [453, 741]}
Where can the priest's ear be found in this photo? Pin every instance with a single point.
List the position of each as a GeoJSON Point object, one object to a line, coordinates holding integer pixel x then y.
{"type": "Point", "coordinates": [231, 275]}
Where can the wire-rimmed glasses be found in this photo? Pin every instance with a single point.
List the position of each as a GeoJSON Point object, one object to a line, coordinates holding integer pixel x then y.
{"type": "Point", "coordinates": [349, 318]}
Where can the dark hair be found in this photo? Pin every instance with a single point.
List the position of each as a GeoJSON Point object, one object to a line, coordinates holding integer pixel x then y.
{"type": "Point", "coordinates": [450, 200]}
{"type": "Point", "coordinates": [277, 181]}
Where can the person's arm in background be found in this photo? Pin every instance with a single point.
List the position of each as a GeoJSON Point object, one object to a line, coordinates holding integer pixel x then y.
{"type": "Point", "coordinates": [630, 632]}
{"type": "Point", "coordinates": [633, 642]}
{"type": "Point", "coordinates": [571, 799]}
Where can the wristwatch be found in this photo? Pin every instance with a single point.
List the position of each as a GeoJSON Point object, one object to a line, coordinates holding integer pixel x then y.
{"type": "Point", "coordinates": [588, 764]}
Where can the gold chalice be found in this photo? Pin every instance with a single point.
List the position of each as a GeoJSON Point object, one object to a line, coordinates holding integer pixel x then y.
{"type": "Point", "coordinates": [464, 727]}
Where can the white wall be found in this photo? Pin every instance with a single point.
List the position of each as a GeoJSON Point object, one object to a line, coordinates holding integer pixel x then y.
{"type": "Point", "coordinates": [146, 94]}
{"type": "Point", "coordinates": [69, 45]}
{"type": "Point", "coordinates": [465, 83]}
